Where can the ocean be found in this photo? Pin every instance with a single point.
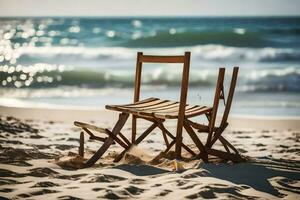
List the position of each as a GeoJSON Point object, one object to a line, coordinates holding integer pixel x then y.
{"type": "Point", "coordinates": [90, 62]}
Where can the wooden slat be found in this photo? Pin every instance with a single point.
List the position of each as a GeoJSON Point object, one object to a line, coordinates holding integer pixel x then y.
{"type": "Point", "coordinates": [174, 110]}
{"type": "Point", "coordinates": [140, 107]}
{"type": "Point", "coordinates": [170, 106]}
{"type": "Point", "coordinates": [162, 109]}
{"type": "Point", "coordinates": [161, 59]}
{"type": "Point", "coordinates": [174, 114]}
{"type": "Point", "coordinates": [137, 104]}
{"type": "Point", "coordinates": [190, 114]}
{"type": "Point", "coordinates": [134, 109]}
{"type": "Point", "coordinates": [145, 105]}
{"type": "Point", "coordinates": [89, 126]}
{"type": "Point", "coordinates": [140, 102]}
{"type": "Point", "coordinates": [161, 105]}
{"type": "Point", "coordinates": [198, 112]}
{"type": "Point", "coordinates": [170, 111]}
{"type": "Point", "coordinates": [188, 109]}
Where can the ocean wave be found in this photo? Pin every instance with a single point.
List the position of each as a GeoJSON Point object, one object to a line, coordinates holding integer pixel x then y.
{"type": "Point", "coordinates": [191, 38]}
{"type": "Point", "coordinates": [42, 75]}
{"type": "Point", "coordinates": [287, 79]}
{"type": "Point", "coordinates": [290, 30]}
{"type": "Point", "coordinates": [110, 55]}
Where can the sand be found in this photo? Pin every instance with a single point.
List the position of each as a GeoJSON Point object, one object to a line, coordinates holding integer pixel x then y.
{"type": "Point", "coordinates": [36, 146]}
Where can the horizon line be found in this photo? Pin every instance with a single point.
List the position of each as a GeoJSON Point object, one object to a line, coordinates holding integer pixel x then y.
{"type": "Point", "coordinates": [150, 16]}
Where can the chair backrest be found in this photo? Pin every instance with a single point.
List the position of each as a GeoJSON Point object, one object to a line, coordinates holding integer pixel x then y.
{"type": "Point", "coordinates": [185, 60]}
{"type": "Point", "coordinates": [219, 94]}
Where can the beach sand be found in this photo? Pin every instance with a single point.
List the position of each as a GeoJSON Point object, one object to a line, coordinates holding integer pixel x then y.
{"type": "Point", "coordinates": [37, 144]}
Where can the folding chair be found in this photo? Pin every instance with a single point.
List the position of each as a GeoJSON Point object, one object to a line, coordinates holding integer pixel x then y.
{"type": "Point", "coordinates": [154, 110]}
{"type": "Point", "coordinates": [215, 132]}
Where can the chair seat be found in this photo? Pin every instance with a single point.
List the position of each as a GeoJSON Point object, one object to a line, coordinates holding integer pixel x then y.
{"type": "Point", "coordinates": [162, 109]}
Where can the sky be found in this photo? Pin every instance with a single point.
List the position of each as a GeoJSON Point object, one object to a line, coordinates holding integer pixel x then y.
{"type": "Point", "coordinates": [149, 7]}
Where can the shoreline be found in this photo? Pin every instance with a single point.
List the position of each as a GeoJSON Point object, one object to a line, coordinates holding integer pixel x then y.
{"type": "Point", "coordinates": [68, 114]}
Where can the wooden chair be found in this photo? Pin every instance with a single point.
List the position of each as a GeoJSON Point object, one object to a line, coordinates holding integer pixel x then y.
{"type": "Point", "coordinates": [154, 110]}
{"type": "Point", "coordinates": [215, 132]}
{"type": "Point", "coordinates": [157, 111]}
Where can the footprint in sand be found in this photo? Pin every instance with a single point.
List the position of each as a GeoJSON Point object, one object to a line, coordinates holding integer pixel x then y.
{"type": "Point", "coordinates": [110, 195]}
{"type": "Point", "coordinates": [98, 189]}
{"type": "Point", "coordinates": [134, 190]}
{"type": "Point", "coordinates": [41, 172]}
{"type": "Point", "coordinates": [157, 185]}
{"type": "Point", "coordinates": [113, 186]}
{"type": "Point", "coordinates": [209, 192]}
{"type": "Point", "coordinates": [181, 182]}
{"type": "Point", "coordinates": [6, 190]}
{"type": "Point", "coordinates": [137, 181]}
{"type": "Point", "coordinates": [260, 145]}
{"type": "Point", "coordinates": [37, 193]}
{"type": "Point", "coordinates": [8, 173]}
{"type": "Point", "coordinates": [69, 198]}
{"type": "Point", "coordinates": [164, 193]}
{"type": "Point", "coordinates": [8, 181]}
{"type": "Point", "coordinates": [45, 184]}
{"type": "Point", "coordinates": [103, 178]}
{"type": "Point", "coordinates": [18, 157]}
{"type": "Point", "coordinates": [74, 177]}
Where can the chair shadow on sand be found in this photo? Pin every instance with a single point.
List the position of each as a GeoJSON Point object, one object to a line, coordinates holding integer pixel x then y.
{"type": "Point", "coordinates": [141, 170]}
{"type": "Point", "coordinates": [256, 174]}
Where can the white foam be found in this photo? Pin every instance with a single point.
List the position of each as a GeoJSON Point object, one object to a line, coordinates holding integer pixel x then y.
{"type": "Point", "coordinates": [203, 52]}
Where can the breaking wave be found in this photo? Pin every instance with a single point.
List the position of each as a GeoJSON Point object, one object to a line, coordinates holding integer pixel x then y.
{"type": "Point", "coordinates": [38, 76]}
{"type": "Point", "coordinates": [109, 55]}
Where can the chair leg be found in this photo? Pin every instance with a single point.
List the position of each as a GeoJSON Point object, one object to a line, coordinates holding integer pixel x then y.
{"type": "Point", "coordinates": [125, 139]}
{"type": "Point", "coordinates": [225, 155]}
{"type": "Point", "coordinates": [163, 128]}
{"type": "Point", "coordinates": [236, 157]}
{"type": "Point", "coordinates": [203, 154]}
{"type": "Point", "coordinates": [81, 144]}
{"type": "Point", "coordinates": [115, 138]}
{"type": "Point", "coordinates": [165, 138]}
{"type": "Point", "coordinates": [169, 146]}
{"type": "Point", "coordinates": [224, 145]}
{"type": "Point", "coordinates": [229, 145]}
{"type": "Point", "coordinates": [210, 131]}
{"type": "Point", "coordinates": [117, 128]}
{"type": "Point", "coordinates": [217, 134]}
{"type": "Point", "coordinates": [137, 141]}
